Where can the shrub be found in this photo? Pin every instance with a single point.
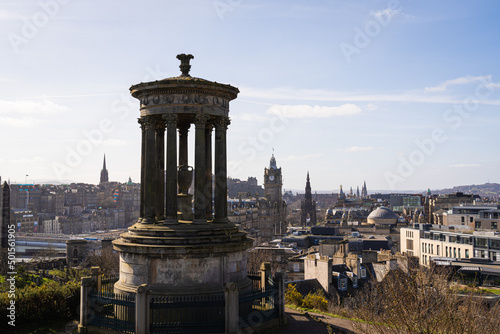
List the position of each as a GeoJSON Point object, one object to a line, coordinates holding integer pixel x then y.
{"type": "Point", "coordinates": [292, 296]}
{"type": "Point", "coordinates": [45, 303]}
{"type": "Point", "coordinates": [316, 301]}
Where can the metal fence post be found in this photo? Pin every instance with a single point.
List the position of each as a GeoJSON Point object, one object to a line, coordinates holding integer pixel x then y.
{"type": "Point", "coordinates": [141, 310]}
{"type": "Point", "coordinates": [231, 308]}
{"type": "Point", "coordinates": [84, 304]}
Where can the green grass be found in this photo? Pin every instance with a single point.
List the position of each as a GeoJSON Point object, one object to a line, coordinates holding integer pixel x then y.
{"type": "Point", "coordinates": [478, 291]}
{"type": "Point", "coordinates": [492, 291]}
{"type": "Point", "coordinates": [322, 312]}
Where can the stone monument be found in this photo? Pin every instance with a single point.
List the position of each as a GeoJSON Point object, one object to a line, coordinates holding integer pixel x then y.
{"type": "Point", "coordinates": [183, 244]}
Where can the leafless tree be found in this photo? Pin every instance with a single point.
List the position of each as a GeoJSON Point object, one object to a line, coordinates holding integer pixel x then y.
{"type": "Point", "coordinates": [421, 301]}
{"type": "Point", "coordinates": [106, 259]}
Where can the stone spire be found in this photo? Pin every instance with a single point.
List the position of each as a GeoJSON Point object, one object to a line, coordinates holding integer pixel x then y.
{"type": "Point", "coordinates": [308, 194]}
{"type": "Point", "coordinates": [104, 172]}
{"type": "Point", "coordinates": [308, 206]}
{"type": "Point", "coordinates": [272, 163]}
{"type": "Point", "coordinates": [364, 192]}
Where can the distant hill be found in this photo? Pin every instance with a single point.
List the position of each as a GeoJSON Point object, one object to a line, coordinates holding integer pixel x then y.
{"type": "Point", "coordinates": [483, 190]}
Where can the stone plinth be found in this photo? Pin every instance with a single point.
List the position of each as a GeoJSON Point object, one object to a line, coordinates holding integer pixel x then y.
{"type": "Point", "coordinates": [182, 259]}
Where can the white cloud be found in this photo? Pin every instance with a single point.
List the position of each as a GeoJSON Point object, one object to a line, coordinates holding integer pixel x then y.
{"type": "Point", "coordinates": [356, 149]}
{"type": "Point", "coordinates": [303, 157]}
{"type": "Point", "coordinates": [370, 107]}
{"type": "Point", "coordinates": [246, 117]}
{"type": "Point", "coordinates": [114, 142]}
{"type": "Point", "coordinates": [302, 111]}
{"type": "Point", "coordinates": [464, 165]}
{"type": "Point", "coordinates": [458, 81]}
{"type": "Point", "coordinates": [25, 122]}
{"type": "Point", "coordinates": [31, 107]}
{"type": "Point", "coordinates": [386, 14]}
{"type": "Point", "coordinates": [32, 161]}
{"type": "Point", "coordinates": [412, 96]}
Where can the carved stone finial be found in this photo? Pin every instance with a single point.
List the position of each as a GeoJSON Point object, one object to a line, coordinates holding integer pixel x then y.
{"type": "Point", "coordinates": [185, 67]}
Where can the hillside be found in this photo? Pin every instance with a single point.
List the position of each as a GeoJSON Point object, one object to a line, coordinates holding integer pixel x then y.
{"type": "Point", "coordinates": [483, 190]}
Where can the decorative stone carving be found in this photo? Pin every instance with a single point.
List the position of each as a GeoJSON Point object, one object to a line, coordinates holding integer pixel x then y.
{"type": "Point", "coordinates": [185, 67]}
{"type": "Point", "coordinates": [142, 123]}
{"type": "Point", "coordinates": [170, 120]}
{"type": "Point", "coordinates": [150, 122]}
{"type": "Point", "coordinates": [221, 123]}
{"type": "Point", "coordinates": [201, 99]}
{"type": "Point", "coordinates": [201, 120]}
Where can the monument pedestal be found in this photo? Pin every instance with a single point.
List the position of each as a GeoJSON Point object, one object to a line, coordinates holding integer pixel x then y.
{"type": "Point", "coordinates": [182, 259]}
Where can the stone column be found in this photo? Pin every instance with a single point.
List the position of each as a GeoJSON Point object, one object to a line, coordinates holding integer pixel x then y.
{"type": "Point", "coordinates": [160, 169]}
{"type": "Point", "coordinates": [141, 310]}
{"type": "Point", "coordinates": [150, 172]}
{"type": "Point", "coordinates": [232, 307]}
{"type": "Point", "coordinates": [84, 304]}
{"type": "Point", "coordinates": [142, 122]}
{"type": "Point", "coordinates": [221, 170]}
{"type": "Point", "coordinates": [208, 169]}
{"type": "Point", "coordinates": [280, 297]}
{"type": "Point", "coordinates": [171, 189]}
{"type": "Point", "coordinates": [96, 275]}
{"type": "Point", "coordinates": [183, 144]}
{"type": "Point", "coordinates": [200, 169]}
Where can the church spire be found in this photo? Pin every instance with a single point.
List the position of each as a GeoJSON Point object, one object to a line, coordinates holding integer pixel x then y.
{"type": "Point", "coordinates": [104, 172]}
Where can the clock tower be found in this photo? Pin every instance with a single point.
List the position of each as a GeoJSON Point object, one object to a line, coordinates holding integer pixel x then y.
{"type": "Point", "coordinates": [273, 182]}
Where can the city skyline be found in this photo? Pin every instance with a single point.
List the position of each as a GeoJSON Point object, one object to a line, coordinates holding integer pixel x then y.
{"type": "Point", "coordinates": [400, 94]}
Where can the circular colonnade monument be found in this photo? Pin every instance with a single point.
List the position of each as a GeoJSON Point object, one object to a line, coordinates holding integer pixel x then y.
{"type": "Point", "coordinates": [183, 244]}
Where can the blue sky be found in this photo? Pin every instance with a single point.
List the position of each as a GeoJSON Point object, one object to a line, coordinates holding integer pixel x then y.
{"type": "Point", "coordinates": [402, 94]}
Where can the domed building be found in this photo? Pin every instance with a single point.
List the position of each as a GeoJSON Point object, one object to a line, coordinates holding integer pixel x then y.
{"type": "Point", "coordinates": [382, 216]}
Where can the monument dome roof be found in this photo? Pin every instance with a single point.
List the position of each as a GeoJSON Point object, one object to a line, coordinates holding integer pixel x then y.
{"type": "Point", "coordinates": [382, 213]}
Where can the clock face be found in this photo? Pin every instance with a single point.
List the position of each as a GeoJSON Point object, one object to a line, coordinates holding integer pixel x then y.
{"type": "Point", "coordinates": [271, 177]}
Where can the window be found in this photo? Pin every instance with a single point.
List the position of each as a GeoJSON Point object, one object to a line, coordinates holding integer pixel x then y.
{"type": "Point", "coordinates": [466, 253]}
{"type": "Point", "coordinates": [471, 219]}
{"type": "Point", "coordinates": [437, 250]}
{"type": "Point", "coordinates": [478, 224]}
{"type": "Point", "coordinates": [495, 243]}
{"type": "Point", "coordinates": [454, 252]}
{"type": "Point", "coordinates": [481, 242]}
{"type": "Point", "coordinates": [463, 219]}
{"type": "Point", "coordinates": [493, 225]}
{"type": "Point", "coordinates": [446, 251]}
{"type": "Point", "coordinates": [459, 254]}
